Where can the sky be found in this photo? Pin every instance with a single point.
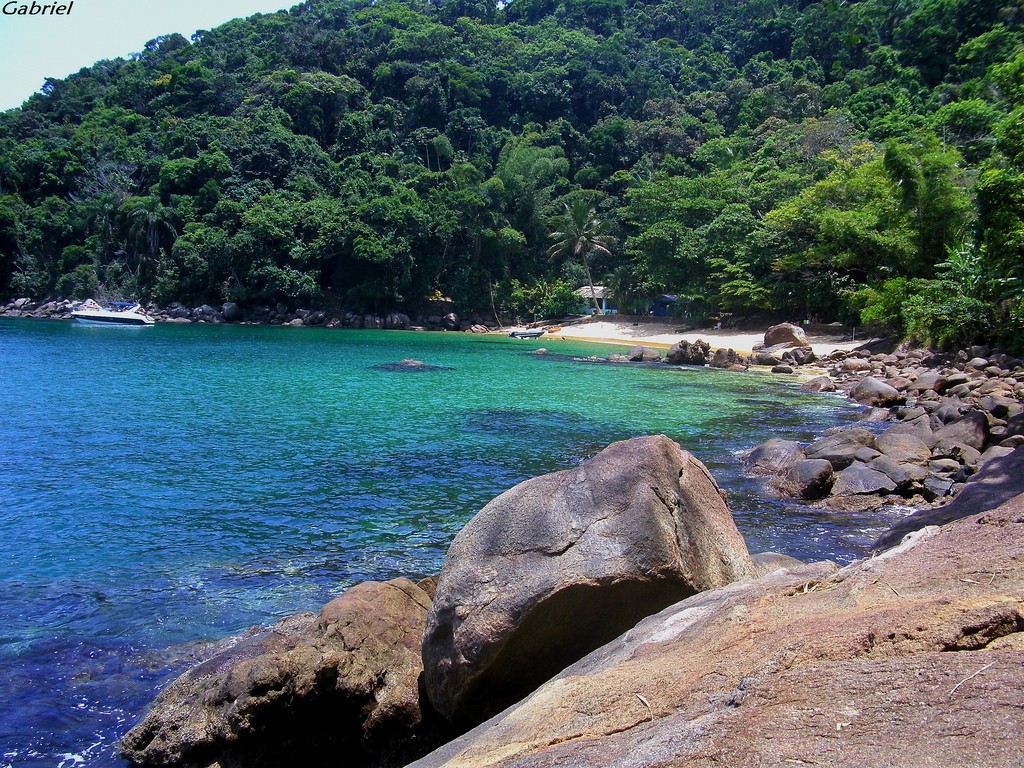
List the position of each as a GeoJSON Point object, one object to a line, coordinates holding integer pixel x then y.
{"type": "Point", "coordinates": [33, 48]}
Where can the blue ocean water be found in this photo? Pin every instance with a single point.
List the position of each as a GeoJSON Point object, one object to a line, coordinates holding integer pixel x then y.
{"type": "Point", "coordinates": [164, 487]}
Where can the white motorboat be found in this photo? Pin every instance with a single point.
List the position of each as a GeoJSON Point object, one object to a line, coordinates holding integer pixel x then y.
{"type": "Point", "coordinates": [118, 313]}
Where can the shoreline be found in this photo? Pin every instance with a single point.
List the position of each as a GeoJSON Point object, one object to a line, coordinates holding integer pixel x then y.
{"type": "Point", "coordinates": [663, 336]}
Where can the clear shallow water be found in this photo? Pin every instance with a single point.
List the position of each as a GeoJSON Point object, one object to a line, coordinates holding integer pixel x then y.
{"type": "Point", "coordinates": [162, 487]}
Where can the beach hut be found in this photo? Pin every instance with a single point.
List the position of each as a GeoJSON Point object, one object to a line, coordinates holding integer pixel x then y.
{"type": "Point", "coordinates": [666, 305]}
{"type": "Point", "coordinates": [603, 295]}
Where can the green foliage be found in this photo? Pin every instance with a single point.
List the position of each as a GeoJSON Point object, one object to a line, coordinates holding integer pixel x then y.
{"type": "Point", "coordinates": [942, 316]}
{"type": "Point", "coordinates": [536, 301]}
{"type": "Point", "coordinates": [773, 155]}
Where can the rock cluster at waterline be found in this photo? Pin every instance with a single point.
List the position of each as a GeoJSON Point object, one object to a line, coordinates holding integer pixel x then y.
{"type": "Point", "coordinates": [751, 661]}
{"type": "Point", "coordinates": [936, 420]}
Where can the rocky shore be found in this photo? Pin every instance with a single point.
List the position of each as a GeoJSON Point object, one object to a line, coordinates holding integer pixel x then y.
{"type": "Point", "coordinates": [931, 420]}
{"type": "Point", "coordinates": [611, 615]}
{"type": "Point", "coordinates": [442, 320]}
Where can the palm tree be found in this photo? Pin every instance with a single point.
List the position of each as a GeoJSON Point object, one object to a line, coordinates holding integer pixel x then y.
{"type": "Point", "coordinates": [150, 219]}
{"type": "Point", "coordinates": [578, 232]}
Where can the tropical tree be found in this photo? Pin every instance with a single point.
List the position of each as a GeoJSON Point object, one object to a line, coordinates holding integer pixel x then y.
{"type": "Point", "coordinates": [578, 232]}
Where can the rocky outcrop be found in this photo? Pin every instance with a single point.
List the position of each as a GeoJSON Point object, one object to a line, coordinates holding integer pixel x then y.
{"type": "Point", "coordinates": [563, 563]}
{"type": "Point", "coordinates": [912, 658]}
{"type": "Point", "coordinates": [727, 358]}
{"type": "Point", "coordinates": [310, 688]}
{"type": "Point", "coordinates": [685, 353]}
{"type": "Point", "coordinates": [774, 456]}
{"type": "Point", "coordinates": [641, 354]}
{"type": "Point", "coordinates": [807, 479]}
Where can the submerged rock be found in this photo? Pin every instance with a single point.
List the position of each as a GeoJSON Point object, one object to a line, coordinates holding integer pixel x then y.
{"type": "Point", "coordinates": [410, 366]}
{"type": "Point", "coordinates": [563, 563]}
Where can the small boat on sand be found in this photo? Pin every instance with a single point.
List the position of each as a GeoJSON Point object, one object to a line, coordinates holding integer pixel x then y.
{"type": "Point", "coordinates": [118, 313]}
{"type": "Point", "coordinates": [526, 334]}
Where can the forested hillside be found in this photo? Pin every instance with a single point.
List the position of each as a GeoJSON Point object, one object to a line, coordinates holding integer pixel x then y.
{"type": "Point", "coordinates": [859, 161]}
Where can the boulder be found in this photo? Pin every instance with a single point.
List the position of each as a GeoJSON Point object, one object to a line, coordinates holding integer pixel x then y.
{"type": "Point", "coordinates": [341, 682]}
{"type": "Point", "coordinates": [855, 365]}
{"type": "Point", "coordinates": [919, 427]}
{"type": "Point", "coordinates": [819, 384]}
{"type": "Point", "coordinates": [232, 312]}
{"type": "Point", "coordinates": [786, 333]}
{"type": "Point", "coordinates": [841, 448]}
{"type": "Point", "coordinates": [807, 479]}
{"type": "Point", "coordinates": [871, 391]}
{"type": "Point", "coordinates": [397, 321]}
{"type": "Point", "coordinates": [641, 354]}
{"type": "Point", "coordinates": [761, 357]}
{"type": "Point", "coordinates": [971, 429]}
{"type": "Point", "coordinates": [774, 456]}
{"type": "Point", "coordinates": [563, 563]}
{"type": "Point", "coordinates": [799, 356]}
{"type": "Point", "coordinates": [859, 479]}
{"type": "Point", "coordinates": [929, 380]}
{"type": "Point", "coordinates": [906, 476]}
{"type": "Point", "coordinates": [685, 353]}
{"type": "Point", "coordinates": [726, 358]}
{"type": "Point", "coordinates": [913, 658]}
{"type": "Point", "coordinates": [903, 447]}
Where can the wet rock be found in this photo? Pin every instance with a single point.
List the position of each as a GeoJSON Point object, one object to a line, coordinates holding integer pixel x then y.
{"type": "Point", "coordinates": [232, 312]}
{"type": "Point", "coordinates": [807, 479]}
{"type": "Point", "coordinates": [774, 456]}
{"type": "Point", "coordinates": [640, 354]}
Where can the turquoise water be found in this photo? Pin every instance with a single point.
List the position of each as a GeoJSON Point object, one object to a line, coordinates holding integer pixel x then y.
{"type": "Point", "coordinates": [162, 487]}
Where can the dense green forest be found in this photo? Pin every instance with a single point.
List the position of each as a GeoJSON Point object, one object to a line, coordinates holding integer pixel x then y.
{"type": "Point", "coordinates": [859, 161]}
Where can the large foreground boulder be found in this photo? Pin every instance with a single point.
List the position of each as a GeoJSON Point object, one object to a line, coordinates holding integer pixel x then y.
{"type": "Point", "coordinates": [310, 688]}
{"type": "Point", "coordinates": [563, 563]}
{"type": "Point", "coordinates": [912, 658]}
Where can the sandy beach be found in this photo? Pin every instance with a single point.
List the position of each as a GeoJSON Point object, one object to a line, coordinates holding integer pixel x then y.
{"type": "Point", "coordinates": [664, 335]}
